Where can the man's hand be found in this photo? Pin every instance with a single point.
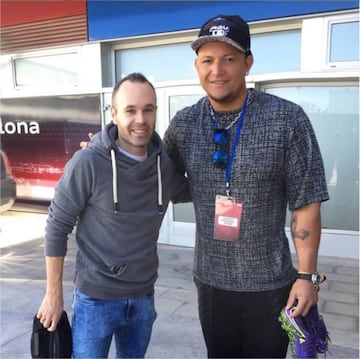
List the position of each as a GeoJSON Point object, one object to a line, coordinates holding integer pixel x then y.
{"type": "Point", "coordinates": [304, 294]}
{"type": "Point", "coordinates": [84, 144]}
{"type": "Point", "coordinates": [50, 311]}
{"type": "Point", "coordinates": [52, 305]}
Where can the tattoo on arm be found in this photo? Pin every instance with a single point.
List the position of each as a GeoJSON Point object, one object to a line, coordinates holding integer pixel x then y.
{"type": "Point", "coordinates": [295, 233]}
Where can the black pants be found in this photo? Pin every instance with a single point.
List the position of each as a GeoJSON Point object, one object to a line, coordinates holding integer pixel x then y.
{"type": "Point", "coordinates": [242, 325]}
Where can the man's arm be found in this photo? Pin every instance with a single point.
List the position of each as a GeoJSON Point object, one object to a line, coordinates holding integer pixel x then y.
{"type": "Point", "coordinates": [305, 232]}
{"type": "Point", "coordinates": [52, 305]}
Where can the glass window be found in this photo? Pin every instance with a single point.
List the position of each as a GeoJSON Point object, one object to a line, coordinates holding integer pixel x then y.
{"type": "Point", "coordinates": [59, 69]}
{"type": "Point", "coordinates": [176, 62]}
{"type": "Point", "coordinates": [344, 41]}
{"type": "Point", "coordinates": [334, 114]}
{"type": "Point", "coordinates": [178, 102]}
{"type": "Point", "coordinates": [269, 50]}
{"type": "Point", "coordinates": [157, 63]}
{"type": "Point", "coordinates": [183, 212]}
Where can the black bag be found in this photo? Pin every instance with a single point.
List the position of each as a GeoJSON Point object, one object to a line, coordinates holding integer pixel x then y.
{"type": "Point", "coordinates": [57, 344]}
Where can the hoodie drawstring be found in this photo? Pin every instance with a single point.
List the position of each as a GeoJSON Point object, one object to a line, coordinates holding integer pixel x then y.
{"type": "Point", "coordinates": [160, 203]}
{"type": "Point", "coordinates": [114, 183]}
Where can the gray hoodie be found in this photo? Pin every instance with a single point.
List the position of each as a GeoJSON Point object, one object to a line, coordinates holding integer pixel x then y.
{"type": "Point", "coordinates": [117, 205]}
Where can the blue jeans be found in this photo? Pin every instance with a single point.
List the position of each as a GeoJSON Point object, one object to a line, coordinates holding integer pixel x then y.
{"type": "Point", "coordinates": [96, 321]}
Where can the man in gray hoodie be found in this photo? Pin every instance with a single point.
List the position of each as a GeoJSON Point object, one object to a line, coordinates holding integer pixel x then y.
{"type": "Point", "coordinates": [116, 192]}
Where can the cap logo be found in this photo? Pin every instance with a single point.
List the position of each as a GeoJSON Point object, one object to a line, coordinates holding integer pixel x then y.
{"type": "Point", "coordinates": [219, 30]}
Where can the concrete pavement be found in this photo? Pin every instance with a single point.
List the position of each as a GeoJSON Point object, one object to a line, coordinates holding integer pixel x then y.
{"type": "Point", "coordinates": [177, 332]}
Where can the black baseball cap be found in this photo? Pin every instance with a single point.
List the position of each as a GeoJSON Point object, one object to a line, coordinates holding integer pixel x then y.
{"type": "Point", "coordinates": [231, 29]}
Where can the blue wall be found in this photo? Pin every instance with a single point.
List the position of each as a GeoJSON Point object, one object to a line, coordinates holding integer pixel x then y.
{"type": "Point", "coordinates": [114, 19]}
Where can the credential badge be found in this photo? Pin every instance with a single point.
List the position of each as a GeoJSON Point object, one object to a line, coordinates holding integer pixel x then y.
{"type": "Point", "coordinates": [219, 30]}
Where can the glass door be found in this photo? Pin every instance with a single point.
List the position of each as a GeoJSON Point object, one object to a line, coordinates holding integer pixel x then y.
{"type": "Point", "coordinates": [333, 110]}
{"type": "Point", "coordinates": [179, 224]}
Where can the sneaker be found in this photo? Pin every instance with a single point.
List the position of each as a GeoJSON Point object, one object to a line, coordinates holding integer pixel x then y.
{"type": "Point", "coordinates": [308, 335]}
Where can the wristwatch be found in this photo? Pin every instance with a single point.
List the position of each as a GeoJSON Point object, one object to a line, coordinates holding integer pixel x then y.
{"type": "Point", "coordinates": [315, 278]}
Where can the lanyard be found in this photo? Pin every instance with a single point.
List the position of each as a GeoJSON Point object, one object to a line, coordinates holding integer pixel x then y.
{"type": "Point", "coordinates": [233, 148]}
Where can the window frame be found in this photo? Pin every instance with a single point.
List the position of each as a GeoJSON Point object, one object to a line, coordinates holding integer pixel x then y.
{"type": "Point", "coordinates": [45, 54]}
{"type": "Point", "coordinates": [338, 65]}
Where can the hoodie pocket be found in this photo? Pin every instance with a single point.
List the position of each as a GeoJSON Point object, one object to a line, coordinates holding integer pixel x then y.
{"type": "Point", "coordinates": [138, 270]}
{"type": "Point", "coordinates": [118, 269]}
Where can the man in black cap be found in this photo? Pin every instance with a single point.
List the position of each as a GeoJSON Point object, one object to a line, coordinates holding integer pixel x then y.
{"type": "Point", "coordinates": [248, 155]}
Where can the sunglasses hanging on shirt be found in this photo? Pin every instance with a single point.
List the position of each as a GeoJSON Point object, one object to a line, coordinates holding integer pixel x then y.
{"type": "Point", "coordinates": [221, 138]}
{"type": "Point", "coordinates": [220, 156]}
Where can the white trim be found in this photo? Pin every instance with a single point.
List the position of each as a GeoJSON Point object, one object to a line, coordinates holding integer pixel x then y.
{"type": "Point", "coordinates": [328, 23]}
{"type": "Point", "coordinates": [315, 45]}
{"type": "Point", "coordinates": [292, 77]}
{"type": "Point", "coordinates": [89, 75]}
{"type": "Point", "coordinates": [45, 55]}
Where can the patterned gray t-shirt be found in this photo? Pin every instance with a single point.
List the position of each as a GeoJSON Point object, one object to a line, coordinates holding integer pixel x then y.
{"type": "Point", "coordinates": [277, 163]}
